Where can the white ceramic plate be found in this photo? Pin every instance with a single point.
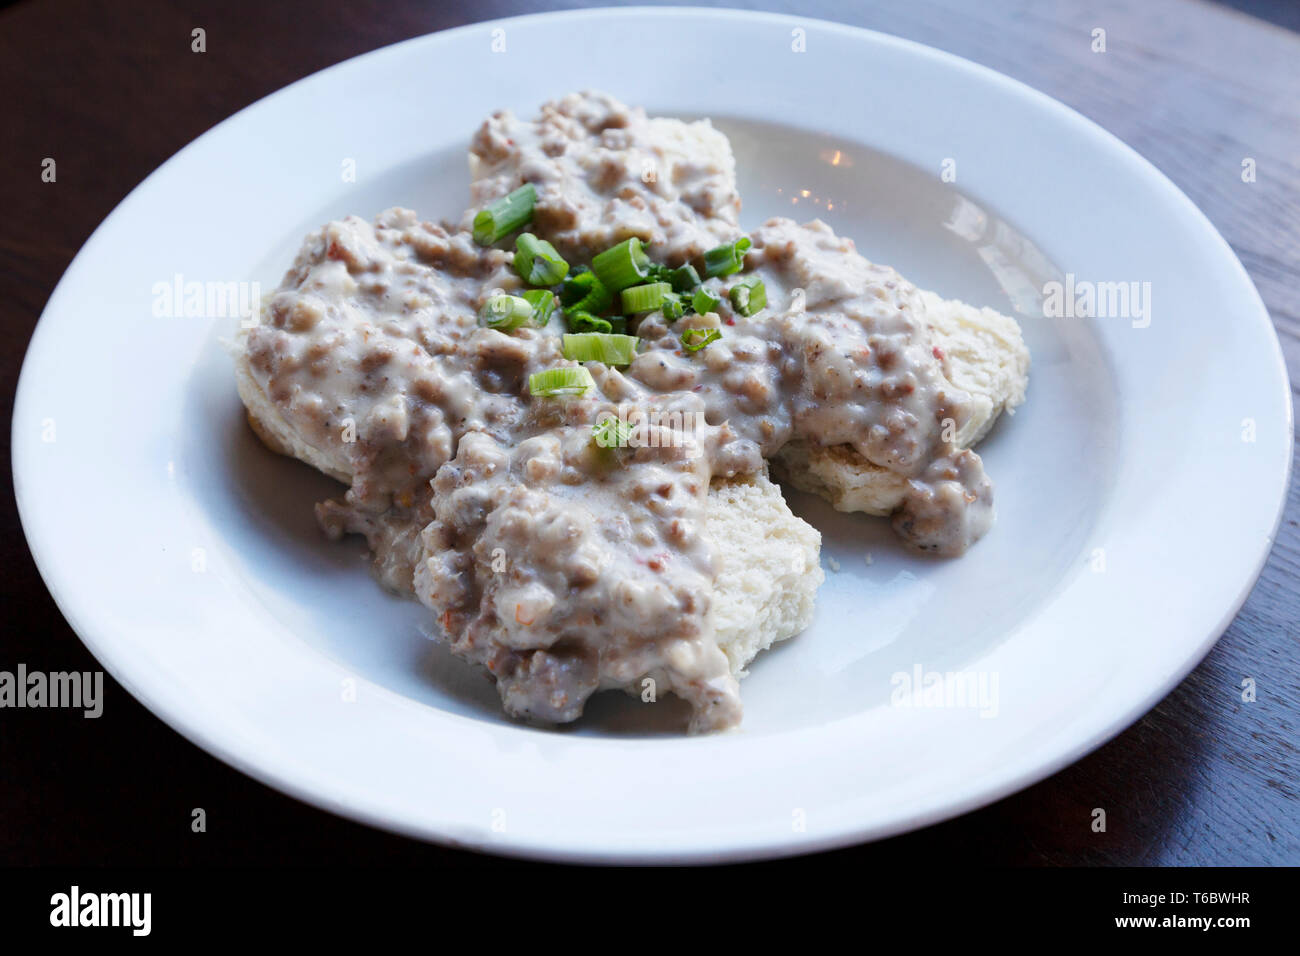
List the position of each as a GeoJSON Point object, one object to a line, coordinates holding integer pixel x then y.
{"type": "Point", "coordinates": [1134, 514]}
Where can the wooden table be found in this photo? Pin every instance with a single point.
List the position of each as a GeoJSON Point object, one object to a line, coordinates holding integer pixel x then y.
{"type": "Point", "coordinates": [112, 89]}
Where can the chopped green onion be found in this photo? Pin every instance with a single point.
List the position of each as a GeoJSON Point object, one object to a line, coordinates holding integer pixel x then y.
{"type": "Point", "coordinates": [672, 307]}
{"type": "Point", "coordinates": [537, 262]}
{"type": "Point", "coordinates": [600, 347]}
{"type": "Point", "coordinates": [684, 278]}
{"type": "Point", "coordinates": [584, 292]}
{"type": "Point", "coordinates": [695, 339]}
{"type": "Point", "coordinates": [611, 432]}
{"type": "Point", "coordinates": [561, 381]}
{"type": "Point", "coordinates": [586, 322]}
{"type": "Point", "coordinates": [621, 266]}
{"type": "Point", "coordinates": [645, 298]}
{"type": "Point", "coordinates": [575, 286]}
{"type": "Point", "coordinates": [705, 301]}
{"type": "Point", "coordinates": [725, 260]}
{"type": "Point", "coordinates": [748, 296]}
{"type": "Point", "coordinates": [506, 313]}
{"type": "Point", "coordinates": [505, 215]}
{"type": "Point", "coordinates": [543, 303]}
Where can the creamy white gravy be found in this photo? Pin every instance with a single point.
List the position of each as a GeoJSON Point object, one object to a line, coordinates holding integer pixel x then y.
{"type": "Point", "coordinates": [559, 566]}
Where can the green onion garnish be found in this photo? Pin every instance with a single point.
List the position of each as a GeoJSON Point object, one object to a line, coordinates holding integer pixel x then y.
{"type": "Point", "coordinates": [505, 215]}
{"type": "Point", "coordinates": [645, 298]}
{"type": "Point", "coordinates": [724, 260]}
{"type": "Point", "coordinates": [586, 322]}
{"type": "Point", "coordinates": [600, 347]}
{"type": "Point", "coordinates": [705, 301]}
{"type": "Point", "coordinates": [506, 313]}
{"type": "Point", "coordinates": [611, 432]}
{"type": "Point", "coordinates": [621, 266]}
{"type": "Point", "coordinates": [672, 307]}
{"type": "Point", "coordinates": [695, 339]}
{"type": "Point", "coordinates": [537, 262]}
{"type": "Point", "coordinates": [748, 296]}
{"type": "Point", "coordinates": [584, 292]}
{"type": "Point", "coordinates": [543, 303]}
{"type": "Point", "coordinates": [561, 381]}
{"type": "Point", "coordinates": [684, 278]}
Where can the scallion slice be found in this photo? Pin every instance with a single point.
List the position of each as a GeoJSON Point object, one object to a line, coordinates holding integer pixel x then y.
{"type": "Point", "coordinates": [580, 321]}
{"type": "Point", "coordinates": [543, 303]}
{"type": "Point", "coordinates": [505, 313]}
{"type": "Point", "coordinates": [537, 262]}
{"type": "Point", "coordinates": [584, 292]}
{"type": "Point", "coordinates": [705, 301]}
{"type": "Point", "coordinates": [695, 339]}
{"type": "Point", "coordinates": [728, 259]}
{"type": "Point", "coordinates": [748, 296]}
{"type": "Point", "coordinates": [672, 306]}
{"type": "Point", "coordinates": [622, 265]}
{"type": "Point", "coordinates": [684, 278]}
{"type": "Point", "coordinates": [600, 347]}
{"type": "Point", "coordinates": [561, 381]}
{"type": "Point", "coordinates": [611, 432]}
{"type": "Point", "coordinates": [645, 298]}
{"type": "Point", "coordinates": [505, 215]}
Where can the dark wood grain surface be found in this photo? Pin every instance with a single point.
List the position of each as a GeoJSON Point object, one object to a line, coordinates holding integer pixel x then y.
{"type": "Point", "coordinates": [111, 90]}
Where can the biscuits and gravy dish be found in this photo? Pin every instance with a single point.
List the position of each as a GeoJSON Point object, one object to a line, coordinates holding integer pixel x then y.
{"type": "Point", "coordinates": [555, 418]}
